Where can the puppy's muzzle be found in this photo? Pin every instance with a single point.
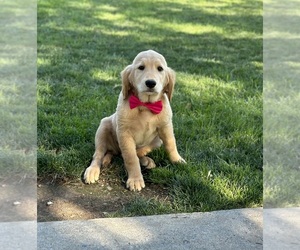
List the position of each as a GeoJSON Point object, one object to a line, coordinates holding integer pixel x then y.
{"type": "Point", "coordinates": [150, 84]}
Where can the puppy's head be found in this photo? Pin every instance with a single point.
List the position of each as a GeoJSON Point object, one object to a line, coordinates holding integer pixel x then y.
{"type": "Point", "coordinates": [148, 77]}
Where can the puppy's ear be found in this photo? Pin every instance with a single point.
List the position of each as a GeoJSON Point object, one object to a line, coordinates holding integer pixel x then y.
{"type": "Point", "coordinates": [126, 85]}
{"type": "Point", "coordinates": [169, 88]}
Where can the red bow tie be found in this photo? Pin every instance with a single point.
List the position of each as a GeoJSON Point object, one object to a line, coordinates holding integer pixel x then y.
{"type": "Point", "coordinates": [155, 107]}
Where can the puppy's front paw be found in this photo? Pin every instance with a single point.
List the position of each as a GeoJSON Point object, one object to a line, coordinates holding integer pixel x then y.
{"type": "Point", "coordinates": [91, 174]}
{"type": "Point", "coordinates": [135, 184]}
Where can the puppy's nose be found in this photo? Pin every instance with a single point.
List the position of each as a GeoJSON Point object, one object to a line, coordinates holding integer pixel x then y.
{"type": "Point", "coordinates": [150, 84]}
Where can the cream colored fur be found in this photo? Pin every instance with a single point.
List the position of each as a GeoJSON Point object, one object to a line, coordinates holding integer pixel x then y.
{"type": "Point", "coordinates": [136, 132]}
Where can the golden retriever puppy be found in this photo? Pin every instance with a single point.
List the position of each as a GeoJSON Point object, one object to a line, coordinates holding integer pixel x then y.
{"type": "Point", "coordinates": [142, 121]}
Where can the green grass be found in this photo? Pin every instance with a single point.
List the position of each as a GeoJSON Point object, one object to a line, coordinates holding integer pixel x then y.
{"type": "Point", "coordinates": [281, 107]}
{"type": "Point", "coordinates": [216, 49]}
{"type": "Point", "coordinates": [17, 90]}
{"type": "Point", "coordinates": [281, 142]}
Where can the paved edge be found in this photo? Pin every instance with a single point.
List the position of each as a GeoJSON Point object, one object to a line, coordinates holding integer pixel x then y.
{"type": "Point", "coordinates": [281, 228]}
{"type": "Point", "coordinates": [226, 229]}
{"type": "Point", "coordinates": [18, 235]}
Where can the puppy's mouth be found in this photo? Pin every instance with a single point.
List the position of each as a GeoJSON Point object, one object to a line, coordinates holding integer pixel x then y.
{"type": "Point", "coordinates": [150, 92]}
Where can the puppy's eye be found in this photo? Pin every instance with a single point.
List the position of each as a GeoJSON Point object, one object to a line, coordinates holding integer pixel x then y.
{"type": "Point", "coordinates": [141, 67]}
{"type": "Point", "coordinates": [159, 68]}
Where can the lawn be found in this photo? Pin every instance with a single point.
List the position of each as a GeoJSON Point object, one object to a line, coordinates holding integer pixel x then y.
{"type": "Point", "coordinates": [281, 106]}
{"type": "Point", "coordinates": [17, 91]}
{"type": "Point", "coordinates": [215, 47]}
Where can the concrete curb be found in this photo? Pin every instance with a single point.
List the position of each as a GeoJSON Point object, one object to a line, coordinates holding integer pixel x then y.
{"type": "Point", "coordinates": [281, 228]}
{"type": "Point", "coordinates": [228, 229]}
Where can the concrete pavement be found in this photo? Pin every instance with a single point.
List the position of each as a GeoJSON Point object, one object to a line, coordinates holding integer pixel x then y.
{"type": "Point", "coordinates": [21, 235]}
{"type": "Point", "coordinates": [228, 229]}
{"type": "Point", "coordinates": [282, 228]}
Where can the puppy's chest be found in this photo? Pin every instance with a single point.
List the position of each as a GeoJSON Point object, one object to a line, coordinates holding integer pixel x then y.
{"type": "Point", "coordinates": [144, 131]}
{"type": "Point", "coordinates": [145, 128]}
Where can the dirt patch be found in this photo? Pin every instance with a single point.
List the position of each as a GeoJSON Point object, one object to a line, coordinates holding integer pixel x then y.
{"type": "Point", "coordinates": [54, 199]}
{"type": "Point", "coordinates": [77, 201]}
{"type": "Point", "coordinates": [18, 200]}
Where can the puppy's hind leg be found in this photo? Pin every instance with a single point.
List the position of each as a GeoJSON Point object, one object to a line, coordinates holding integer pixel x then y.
{"type": "Point", "coordinates": [107, 159]}
{"type": "Point", "coordinates": [146, 161]}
